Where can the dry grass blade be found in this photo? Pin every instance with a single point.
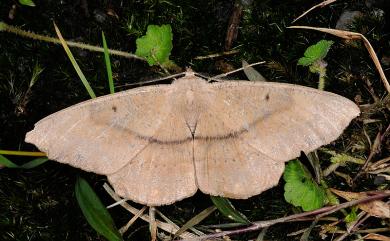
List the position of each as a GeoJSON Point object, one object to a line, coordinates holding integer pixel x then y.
{"type": "Point", "coordinates": [319, 213]}
{"type": "Point", "coordinates": [375, 208]}
{"type": "Point", "coordinates": [195, 220]}
{"type": "Point", "coordinates": [379, 166]}
{"type": "Point", "coordinates": [261, 235]}
{"type": "Point", "coordinates": [217, 55]}
{"type": "Point", "coordinates": [153, 223]}
{"type": "Point", "coordinates": [323, 4]}
{"type": "Point", "coordinates": [166, 219]}
{"type": "Point", "coordinates": [164, 226]}
{"type": "Point", "coordinates": [374, 150]}
{"type": "Point", "coordinates": [354, 36]}
{"type": "Point", "coordinates": [123, 229]}
{"type": "Point", "coordinates": [374, 236]}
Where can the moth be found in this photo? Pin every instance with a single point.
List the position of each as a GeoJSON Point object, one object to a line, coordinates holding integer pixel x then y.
{"type": "Point", "coordinates": [160, 144]}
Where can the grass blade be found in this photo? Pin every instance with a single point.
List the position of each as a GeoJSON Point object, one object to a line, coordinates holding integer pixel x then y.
{"type": "Point", "coordinates": [228, 210]}
{"type": "Point", "coordinates": [31, 164]}
{"type": "Point", "coordinates": [34, 163]}
{"type": "Point", "coordinates": [28, 3]}
{"type": "Point", "coordinates": [195, 220]}
{"type": "Point", "coordinates": [6, 162]}
{"type": "Point", "coordinates": [95, 212]}
{"type": "Point", "coordinates": [108, 65]}
{"type": "Point", "coordinates": [74, 63]}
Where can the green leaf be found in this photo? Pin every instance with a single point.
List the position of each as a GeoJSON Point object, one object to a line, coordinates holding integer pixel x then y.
{"type": "Point", "coordinates": [315, 52]}
{"type": "Point", "coordinates": [156, 45]}
{"type": "Point", "coordinates": [228, 210]}
{"type": "Point", "coordinates": [7, 163]}
{"type": "Point", "coordinates": [34, 163]}
{"type": "Point", "coordinates": [31, 164]}
{"type": "Point", "coordinates": [300, 188]}
{"type": "Point", "coordinates": [108, 65]}
{"type": "Point", "coordinates": [29, 3]}
{"type": "Point", "coordinates": [95, 212]}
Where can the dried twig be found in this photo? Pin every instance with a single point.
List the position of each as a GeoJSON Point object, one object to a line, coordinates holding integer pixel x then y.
{"type": "Point", "coordinates": [27, 34]}
{"type": "Point", "coordinates": [164, 226]}
{"type": "Point", "coordinates": [234, 23]}
{"type": "Point", "coordinates": [211, 56]}
{"type": "Point", "coordinates": [319, 213]}
{"type": "Point", "coordinates": [153, 223]}
{"type": "Point", "coordinates": [374, 150]}
{"type": "Point", "coordinates": [123, 229]}
{"type": "Point", "coordinates": [323, 4]}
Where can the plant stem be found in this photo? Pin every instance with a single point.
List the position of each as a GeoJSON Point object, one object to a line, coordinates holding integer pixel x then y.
{"type": "Point", "coordinates": [27, 34]}
{"type": "Point", "coordinates": [22, 153]}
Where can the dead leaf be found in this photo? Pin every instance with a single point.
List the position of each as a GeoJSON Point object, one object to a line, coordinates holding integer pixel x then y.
{"type": "Point", "coordinates": [374, 236]}
{"type": "Point", "coordinates": [251, 73]}
{"type": "Point", "coordinates": [376, 208]}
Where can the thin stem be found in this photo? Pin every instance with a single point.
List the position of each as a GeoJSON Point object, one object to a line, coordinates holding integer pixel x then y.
{"type": "Point", "coordinates": [27, 34]}
{"type": "Point", "coordinates": [22, 153]}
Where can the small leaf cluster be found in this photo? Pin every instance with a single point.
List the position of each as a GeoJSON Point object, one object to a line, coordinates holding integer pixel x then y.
{"type": "Point", "coordinates": [156, 45]}
{"type": "Point", "coordinates": [315, 52]}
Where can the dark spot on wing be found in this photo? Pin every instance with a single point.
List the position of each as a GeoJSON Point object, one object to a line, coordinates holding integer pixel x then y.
{"type": "Point", "coordinates": [114, 108]}
{"type": "Point", "coordinates": [267, 97]}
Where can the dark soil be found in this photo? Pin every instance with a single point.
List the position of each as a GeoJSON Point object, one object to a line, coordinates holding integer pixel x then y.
{"type": "Point", "coordinates": [39, 204]}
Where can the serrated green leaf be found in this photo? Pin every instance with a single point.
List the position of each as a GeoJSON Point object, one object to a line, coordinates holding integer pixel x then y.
{"type": "Point", "coordinates": [95, 212]}
{"type": "Point", "coordinates": [315, 52]}
{"type": "Point", "coordinates": [29, 3]}
{"type": "Point", "coordinates": [156, 45]}
{"type": "Point", "coordinates": [300, 188]}
{"type": "Point", "coordinates": [228, 210]}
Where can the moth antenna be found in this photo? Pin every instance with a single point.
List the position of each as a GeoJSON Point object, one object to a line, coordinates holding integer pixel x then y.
{"type": "Point", "coordinates": [152, 80]}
